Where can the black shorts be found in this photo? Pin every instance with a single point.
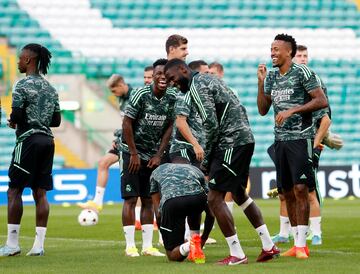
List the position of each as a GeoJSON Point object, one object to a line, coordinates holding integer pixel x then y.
{"type": "Point", "coordinates": [187, 154]}
{"type": "Point", "coordinates": [166, 156]}
{"type": "Point", "coordinates": [229, 169]}
{"type": "Point", "coordinates": [32, 161]}
{"type": "Point", "coordinates": [135, 185]}
{"type": "Point", "coordinates": [114, 151]}
{"type": "Point", "coordinates": [173, 214]}
{"type": "Point", "coordinates": [294, 164]}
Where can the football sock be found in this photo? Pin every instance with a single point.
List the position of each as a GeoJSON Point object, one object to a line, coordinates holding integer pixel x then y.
{"type": "Point", "coordinates": [185, 249]}
{"type": "Point", "coordinates": [294, 232]}
{"type": "Point", "coordinates": [147, 235]}
{"type": "Point", "coordinates": [187, 231]}
{"type": "Point", "coordinates": [235, 247]}
{"type": "Point", "coordinates": [13, 235]}
{"type": "Point", "coordinates": [137, 213]}
{"type": "Point", "coordinates": [230, 205]}
{"type": "Point", "coordinates": [99, 195]}
{"type": "Point", "coordinates": [302, 234]}
{"type": "Point", "coordinates": [39, 237]}
{"type": "Point", "coordinates": [129, 232]}
{"type": "Point", "coordinates": [284, 226]}
{"type": "Point", "coordinates": [264, 235]}
{"type": "Point", "coordinates": [315, 225]}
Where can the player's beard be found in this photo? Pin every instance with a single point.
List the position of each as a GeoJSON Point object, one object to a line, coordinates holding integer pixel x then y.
{"type": "Point", "coordinates": [183, 84]}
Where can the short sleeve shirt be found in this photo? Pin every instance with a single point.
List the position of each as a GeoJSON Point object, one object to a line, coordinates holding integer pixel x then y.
{"type": "Point", "coordinates": [177, 180]}
{"type": "Point", "coordinates": [288, 91]}
{"type": "Point", "coordinates": [39, 100]}
{"type": "Point", "coordinates": [185, 107]}
{"type": "Point", "coordinates": [151, 116]}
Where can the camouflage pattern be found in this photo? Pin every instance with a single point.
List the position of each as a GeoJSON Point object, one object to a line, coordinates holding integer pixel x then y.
{"type": "Point", "coordinates": [152, 117]}
{"type": "Point", "coordinates": [177, 180]}
{"type": "Point", "coordinates": [225, 121]}
{"type": "Point", "coordinates": [185, 107]}
{"type": "Point", "coordinates": [40, 100]}
{"type": "Point", "coordinates": [317, 115]}
{"type": "Point", "coordinates": [288, 91]}
{"type": "Point", "coordinates": [123, 100]}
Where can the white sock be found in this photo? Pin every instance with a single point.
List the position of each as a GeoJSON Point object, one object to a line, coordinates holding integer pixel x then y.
{"type": "Point", "coordinates": [315, 225]}
{"type": "Point", "coordinates": [284, 226]}
{"type": "Point", "coordinates": [39, 237]}
{"type": "Point", "coordinates": [147, 235]}
{"type": "Point", "coordinates": [185, 249]}
{"type": "Point", "coordinates": [129, 232]}
{"type": "Point", "coordinates": [99, 195]}
{"type": "Point", "coordinates": [264, 235]}
{"type": "Point", "coordinates": [295, 234]}
{"type": "Point", "coordinates": [13, 235]}
{"type": "Point", "coordinates": [230, 205]}
{"type": "Point", "coordinates": [302, 234]}
{"type": "Point", "coordinates": [235, 247]}
{"type": "Point", "coordinates": [137, 213]}
{"type": "Point", "coordinates": [187, 235]}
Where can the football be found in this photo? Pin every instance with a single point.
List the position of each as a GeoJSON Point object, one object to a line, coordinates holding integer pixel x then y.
{"type": "Point", "coordinates": [88, 217]}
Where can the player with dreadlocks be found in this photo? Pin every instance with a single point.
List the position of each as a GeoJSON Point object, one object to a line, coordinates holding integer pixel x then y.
{"type": "Point", "coordinates": [35, 108]}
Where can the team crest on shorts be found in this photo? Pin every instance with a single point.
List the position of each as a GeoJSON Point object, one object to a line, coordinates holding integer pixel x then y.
{"type": "Point", "coordinates": [128, 188]}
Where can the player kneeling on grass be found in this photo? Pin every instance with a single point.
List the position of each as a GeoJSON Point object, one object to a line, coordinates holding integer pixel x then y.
{"type": "Point", "coordinates": [179, 191]}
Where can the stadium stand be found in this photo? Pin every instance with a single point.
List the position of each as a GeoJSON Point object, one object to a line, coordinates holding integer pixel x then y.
{"type": "Point", "coordinates": [236, 33]}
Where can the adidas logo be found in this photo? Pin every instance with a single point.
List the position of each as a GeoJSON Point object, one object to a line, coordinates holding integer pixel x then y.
{"type": "Point", "coordinates": [260, 233]}
{"type": "Point", "coordinates": [13, 231]}
{"type": "Point", "coordinates": [303, 176]}
{"type": "Point", "coordinates": [234, 243]}
{"type": "Point", "coordinates": [212, 181]}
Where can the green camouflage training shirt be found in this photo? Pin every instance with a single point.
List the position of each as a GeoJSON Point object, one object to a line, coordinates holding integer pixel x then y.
{"type": "Point", "coordinates": [152, 117]}
{"type": "Point", "coordinates": [317, 115]}
{"type": "Point", "coordinates": [40, 100]}
{"type": "Point", "coordinates": [177, 180]}
{"type": "Point", "coordinates": [185, 107]}
{"type": "Point", "coordinates": [225, 121]}
{"type": "Point", "coordinates": [288, 91]}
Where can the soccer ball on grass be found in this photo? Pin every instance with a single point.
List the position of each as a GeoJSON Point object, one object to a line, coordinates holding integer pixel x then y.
{"type": "Point", "coordinates": [88, 217]}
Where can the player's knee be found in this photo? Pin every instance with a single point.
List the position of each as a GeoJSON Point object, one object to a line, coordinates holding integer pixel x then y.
{"type": "Point", "coordinates": [174, 256]}
{"type": "Point", "coordinates": [130, 202]}
{"type": "Point", "coordinates": [214, 199]}
{"type": "Point", "coordinates": [301, 191]}
{"type": "Point", "coordinates": [14, 193]}
{"type": "Point", "coordinates": [146, 203]}
{"type": "Point", "coordinates": [39, 194]}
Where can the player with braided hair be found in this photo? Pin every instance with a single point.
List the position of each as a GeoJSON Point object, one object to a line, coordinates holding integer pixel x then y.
{"type": "Point", "coordinates": [35, 108]}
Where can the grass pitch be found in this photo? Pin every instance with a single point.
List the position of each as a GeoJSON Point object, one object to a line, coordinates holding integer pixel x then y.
{"type": "Point", "coordinates": [70, 248]}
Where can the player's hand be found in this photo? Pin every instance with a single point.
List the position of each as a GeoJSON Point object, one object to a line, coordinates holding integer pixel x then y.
{"type": "Point", "coordinates": [282, 116]}
{"type": "Point", "coordinates": [154, 162]}
{"type": "Point", "coordinates": [199, 152]}
{"type": "Point", "coordinates": [333, 141]}
{"type": "Point", "coordinates": [11, 124]}
{"type": "Point", "coordinates": [261, 72]}
{"type": "Point", "coordinates": [319, 146]}
{"type": "Point", "coordinates": [134, 164]}
{"type": "Point", "coordinates": [114, 145]}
